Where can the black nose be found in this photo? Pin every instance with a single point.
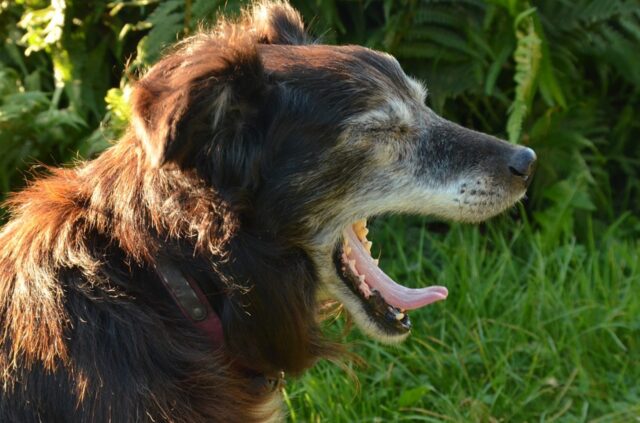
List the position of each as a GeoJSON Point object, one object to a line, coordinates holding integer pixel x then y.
{"type": "Point", "coordinates": [522, 163]}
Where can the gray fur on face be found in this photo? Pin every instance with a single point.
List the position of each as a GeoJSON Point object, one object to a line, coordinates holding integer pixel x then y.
{"type": "Point", "coordinates": [372, 147]}
{"type": "Point", "coordinates": [413, 161]}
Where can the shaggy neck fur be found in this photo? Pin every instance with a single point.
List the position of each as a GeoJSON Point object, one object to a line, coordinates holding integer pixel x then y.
{"type": "Point", "coordinates": [58, 264]}
{"type": "Point", "coordinates": [88, 332]}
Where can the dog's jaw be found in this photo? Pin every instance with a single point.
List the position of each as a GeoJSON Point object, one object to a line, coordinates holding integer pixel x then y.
{"type": "Point", "coordinates": [470, 199]}
{"type": "Point", "coordinates": [366, 324]}
{"type": "Point", "coordinates": [331, 287]}
{"type": "Point", "coordinates": [377, 304]}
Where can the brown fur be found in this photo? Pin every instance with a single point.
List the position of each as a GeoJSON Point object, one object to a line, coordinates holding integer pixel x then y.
{"type": "Point", "coordinates": [250, 151]}
{"type": "Point", "coordinates": [141, 198]}
{"type": "Point", "coordinates": [53, 223]}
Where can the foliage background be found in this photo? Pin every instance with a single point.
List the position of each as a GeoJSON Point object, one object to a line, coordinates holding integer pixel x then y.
{"type": "Point", "coordinates": [544, 318]}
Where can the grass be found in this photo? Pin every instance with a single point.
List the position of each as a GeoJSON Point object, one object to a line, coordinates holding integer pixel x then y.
{"type": "Point", "coordinates": [535, 328]}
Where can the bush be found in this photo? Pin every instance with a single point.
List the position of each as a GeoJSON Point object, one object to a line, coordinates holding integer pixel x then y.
{"type": "Point", "coordinates": [558, 76]}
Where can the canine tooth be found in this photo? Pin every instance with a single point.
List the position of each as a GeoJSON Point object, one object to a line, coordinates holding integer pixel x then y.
{"type": "Point", "coordinates": [399, 316]}
{"type": "Point", "coordinates": [359, 227]}
{"type": "Point", "coordinates": [376, 261]}
{"type": "Point", "coordinates": [361, 278]}
{"type": "Point", "coordinates": [367, 245]}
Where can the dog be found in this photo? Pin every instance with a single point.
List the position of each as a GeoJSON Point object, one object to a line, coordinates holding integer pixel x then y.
{"type": "Point", "coordinates": [179, 274]}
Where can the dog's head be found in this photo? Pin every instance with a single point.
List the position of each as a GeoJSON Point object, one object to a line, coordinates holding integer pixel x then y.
{"type": "Point", "coordinates": [305, 142]}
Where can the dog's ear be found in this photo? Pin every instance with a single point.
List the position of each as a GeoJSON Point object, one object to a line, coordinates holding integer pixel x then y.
{"type": "Point", "coordinates": [275, 22]}
{"type": "Point", "coordinates": [185, 98]}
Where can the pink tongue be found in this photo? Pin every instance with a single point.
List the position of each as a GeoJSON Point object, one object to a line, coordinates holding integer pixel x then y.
{"type": "Point", "coordinates": [393, 293]}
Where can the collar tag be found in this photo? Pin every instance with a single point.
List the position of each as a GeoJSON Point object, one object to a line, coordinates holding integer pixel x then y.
{"type": "Point", "coordinates": [191, 300]}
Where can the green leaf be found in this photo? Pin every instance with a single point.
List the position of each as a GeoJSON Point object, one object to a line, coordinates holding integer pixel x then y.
{"type": "Point", "coordinates": [496, 67]}
{"type": "Point", "coordinates": [412, 396]}
{"type": "Point", "coordinates": [167, 21]}
{"type": "Point", "coordinates": [118, 103]}
{"type": "Point", "coordinates": [43, 26]}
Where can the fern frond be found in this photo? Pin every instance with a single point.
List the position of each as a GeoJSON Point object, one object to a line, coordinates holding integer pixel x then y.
{"type": "Point", "coordinates": [444, 38]}
{"type": "Point", "coordinates": [203, 11]}
{"type": "Point", "coordinates": [527, 57]}
{"type": "Point", "coordinates": [167, 21]}
{"type": "Point", "coordinates": [416, 50]}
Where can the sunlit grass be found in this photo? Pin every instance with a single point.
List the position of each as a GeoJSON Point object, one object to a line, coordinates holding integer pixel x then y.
{"type": "Point", "coordinates": [534, 329]}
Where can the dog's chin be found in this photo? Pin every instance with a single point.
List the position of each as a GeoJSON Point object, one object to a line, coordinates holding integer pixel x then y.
{"type": "Point", "coordinates": [378, 305]}
{"type": "Point", "coordinates": [477, 210]}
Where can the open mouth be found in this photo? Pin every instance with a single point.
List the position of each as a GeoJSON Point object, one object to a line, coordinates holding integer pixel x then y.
{"type": "Point", "coordinates": [385, 301]}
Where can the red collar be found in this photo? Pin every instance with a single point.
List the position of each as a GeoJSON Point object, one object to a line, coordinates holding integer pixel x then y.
{"type": "Point", "coordinates": [196, 308]}
{"type": "Point", "coordinates": [191, 300]}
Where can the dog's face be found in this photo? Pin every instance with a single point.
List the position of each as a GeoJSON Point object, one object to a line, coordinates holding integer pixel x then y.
{"type": "Point", "coordinates": [307, 141]}
{"type": "Point", "coordinates": [371, 146]}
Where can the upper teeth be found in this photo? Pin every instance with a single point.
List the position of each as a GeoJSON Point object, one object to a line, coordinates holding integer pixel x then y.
{"type": "Point", "coordinates": [360, 228]}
